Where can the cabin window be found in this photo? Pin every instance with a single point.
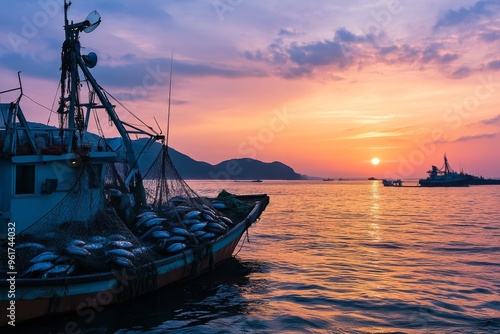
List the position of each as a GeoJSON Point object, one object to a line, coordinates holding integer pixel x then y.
{"type": "Point", "coordinates": [25, 179]}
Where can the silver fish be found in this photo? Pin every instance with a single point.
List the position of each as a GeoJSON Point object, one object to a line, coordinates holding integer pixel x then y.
{"type": "Point", "coordinates": [45, 257]}
{"type": "Point", "coordinates": [139, 250]}
{"type": "Point", "coordinates": [97, 239]}
{"type": "Point", "coordinates": [59, 269]}
{"type": "Point", "coordinates": [177, 247]}
{"type": "Point", "coordinates": [226, 220]}
{"type": "Point", "coordinates": [192, 214]}
{"type": "Point", "coordinates": [76, 242]}
{"type": "Point", "coordinates": [33, 245]}
{"type": "Point", "coordinates": [172, 239]}
{"type": "Point", "coordinates": [173, 214]}
{"type": "Point", "coordinates": [221, 223]}
{"type": "Point", "coordinates": [215, 227]}
{"type": "Point", "coordinates": [120, 252]}
{"type": "Point", "coordinates": [183, 208]}
{"type": "Point", "coordinates": [146, 213]}
{"type": "Point", "coordinates": [154, 222]}
{"type": "Point", "coordinates": [197, 227]}
{"type": "Point", "coordinates": [120, 244]}
{"type": "Point", "coordinates": [180, 231]}
{"type": "Point", "coordinates": [151, 230]}
{"type": "Point", "coordinates": [199, 233]}
{"type": "Point", "coordinates": [117, 237]}
{"type": "Point", "coordinates": [144, 219]}
{"type": "Point", "coordinates": [219, 205]}
{"type": "Point", "coordinates": [191, 221]}
{"type": "Point", "coordinates": [40, 266]}
{"type": "Point", "coordinates": [93, 246]}
{"type": "Point", "coordinates": [75, 250]}
{"type": "Point", "coordinates": [71, 269]}
{"type": "Point", "coordinates": [160, 234]}
{"type": "Point", "coordinates": [122, 261]}
{"type": "Point", "coordinates": [208, 216]}
{"type": "Point", "coordinates": [208, 236]}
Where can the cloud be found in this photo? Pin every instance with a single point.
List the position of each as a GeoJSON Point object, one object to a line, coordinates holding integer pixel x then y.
{"type": "Point", "coordinates": [345, 35]}
{"type": "Point", "coordinates": [494, 65]}
{"type": "Point", "coordinates": [475, 137]}
{"type": "Point", "coordinates": [319, 54]}
{"type": "Point", "coordinates": [491, 36]}
{"type": "Point", "coordinates": [492, 121]}
{"type": "Point", "coordinates": [465, 15]}
{"type": "Point", "coordinates": [288, 32]}
{"type": "Point", "coordinates": [138, 70]}
{"type": "Point", "coordinates": [461, 72]}
{"type": "Point", "coordinates": [346, 50]}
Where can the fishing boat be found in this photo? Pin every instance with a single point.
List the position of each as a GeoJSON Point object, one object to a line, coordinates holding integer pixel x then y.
{"type": "Point", "coordinates": [392, 183]}
{"type": "Point", "coordinates": [479, 180]}
{"type": "Point", "coordinates": [444, 177]}
{"type": "Point", "coordinates": [81, 225]}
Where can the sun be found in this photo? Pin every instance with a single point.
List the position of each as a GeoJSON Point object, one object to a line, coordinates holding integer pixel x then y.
{"type": "Point", "coordinates": [375, 161]}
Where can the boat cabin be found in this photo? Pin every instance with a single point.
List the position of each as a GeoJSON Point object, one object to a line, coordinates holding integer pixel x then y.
{"type": "Point", "coordinates": [37, 168]}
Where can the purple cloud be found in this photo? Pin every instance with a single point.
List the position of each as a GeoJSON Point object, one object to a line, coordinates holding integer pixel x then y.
{"type": "Point", "coordinates": [492, 121]}
{"type": "Point", "coordinates": [461, 72]}
{"type": "Point", "coordinates": [475, 137]}
{"type": "Point", "coordinates": [464, 15]}
{"type": "Point", "coordinates": [347, 50]}
{"type": "Point", "coordinates": [319, 54]}
{"type": "Point", "coordinates": [494, 65]}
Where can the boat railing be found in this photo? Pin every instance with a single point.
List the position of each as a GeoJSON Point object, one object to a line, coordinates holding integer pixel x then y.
{"type": "Point", "coordinates": [47, 141]}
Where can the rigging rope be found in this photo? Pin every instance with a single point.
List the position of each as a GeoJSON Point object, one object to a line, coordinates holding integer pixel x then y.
{"type": "Point", "coordinates": [130, 112]}
{"type": "Point", "coordinates": [37, 103]}
{"type": "Point", "coordinates": [53, 103]}
{"type": "Point", "coordinates": [169, 97]}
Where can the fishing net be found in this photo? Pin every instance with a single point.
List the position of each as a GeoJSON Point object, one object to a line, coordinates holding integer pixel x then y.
{"type": "Point", "coordinates": [84, 234]}
{"type": "Point", "coordinates": [191, 220]}
{"type": "Point", "coordinates": [125, 231]}
{"type": "Point", "coordinates": [165, 187]}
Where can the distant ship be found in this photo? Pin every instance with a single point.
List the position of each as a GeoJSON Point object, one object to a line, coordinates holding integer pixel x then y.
{"type": "Point", "coordinates": [444, 177]}
{"type": "Point", "coordinates": [479, 180]}
{"type": "Point", "coordinates": [392, 183]}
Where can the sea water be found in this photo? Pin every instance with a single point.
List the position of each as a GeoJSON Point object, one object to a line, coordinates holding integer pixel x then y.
{"type": "Point", "coordinates": [337, 257]}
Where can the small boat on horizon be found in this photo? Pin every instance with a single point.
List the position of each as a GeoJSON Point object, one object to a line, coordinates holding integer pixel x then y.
{"type": "Point", "coordinates": [258, 180]}
{"type": "Point", "coordinates": [392, 183]}
{"type": "Point", "coordinates": [444, 177]}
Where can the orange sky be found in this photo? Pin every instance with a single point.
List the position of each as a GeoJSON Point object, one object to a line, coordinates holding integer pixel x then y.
{"type": "Point", "coordinates": [323, 88]}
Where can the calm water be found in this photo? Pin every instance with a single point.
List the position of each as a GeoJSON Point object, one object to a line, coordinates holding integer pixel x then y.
{"type": "Point", "coordinates": [338, 257]}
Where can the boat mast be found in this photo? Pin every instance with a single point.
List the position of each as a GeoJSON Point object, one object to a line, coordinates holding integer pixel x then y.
{"type": "Point", "coordinates": [70, 110]}
{"type": "Point", "coordinates": [446, 166]}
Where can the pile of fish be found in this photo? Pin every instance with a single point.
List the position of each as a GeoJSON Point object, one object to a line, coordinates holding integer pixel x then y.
{"type": "Point", "coordinates": [79, 256]}
{"type": "Point", "coordinates": [179, 225]}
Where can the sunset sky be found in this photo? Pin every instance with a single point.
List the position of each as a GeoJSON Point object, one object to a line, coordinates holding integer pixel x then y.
{"type": "Point", "coordinates": [322, 86]}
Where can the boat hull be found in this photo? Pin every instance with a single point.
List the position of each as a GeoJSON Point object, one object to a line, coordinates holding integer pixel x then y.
{"type": "Point", "coordinates": [38, 298]}
{"type": "Point", "coordinates": [453, 183]}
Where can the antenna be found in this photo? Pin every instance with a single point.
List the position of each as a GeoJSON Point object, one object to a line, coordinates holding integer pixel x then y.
{"type": "Point", "coordinates": [158, 125]}
{"type": "Point", "coordinates": [169, 98]}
